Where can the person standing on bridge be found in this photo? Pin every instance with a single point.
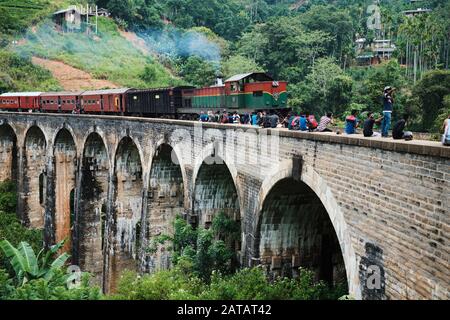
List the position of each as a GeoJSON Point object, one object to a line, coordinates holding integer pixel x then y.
{"type": "Point", "coordinates": [388, 107]}
{"type": "Point", "coordinates": [446, 136]}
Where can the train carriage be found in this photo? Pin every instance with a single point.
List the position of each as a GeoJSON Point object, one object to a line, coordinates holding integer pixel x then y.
{"type": "Point", "coordinates": [110, 101]}
{"type": "Point", "coordinates": [64, 101]}
{"type": "Point", "coordinates": [157, 102]}
{"type": "Point", "coordinates": [20, 101]}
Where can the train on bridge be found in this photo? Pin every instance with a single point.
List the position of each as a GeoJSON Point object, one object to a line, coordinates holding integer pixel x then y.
{"type": "Point", "coordinates": [242, 93]}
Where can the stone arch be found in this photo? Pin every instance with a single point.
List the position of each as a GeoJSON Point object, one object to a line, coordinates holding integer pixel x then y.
{"type": "Point", "coordinates": [92, 203]}
{"type": "Point", "coordinates": [128, 186]}
{"type": "Point", "coordinates": [209, 153]}
{"type": "Point", "coordinates": [316, 188]}
{"type": "Point", "coordinates": [34, 177]}
{"type": "Point", "coordinates": [214, 190]}
{"type": "Point", "coordinates": [65, 166]}
{"type": "Point", "coordinates": [8, 153]}
{"type": "Point", "coordinates": [165, 202]}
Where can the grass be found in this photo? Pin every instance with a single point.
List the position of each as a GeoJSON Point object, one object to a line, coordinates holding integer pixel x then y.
{"type": "Point", "coordinates": [19, 74]}
{"type": "Point", "coordinates": [106, 56]}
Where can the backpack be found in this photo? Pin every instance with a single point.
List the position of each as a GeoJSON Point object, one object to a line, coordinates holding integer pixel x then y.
{"type": "Point", "coordinates": [295, 124]}
{"type": "Point", "coordinates": [303, 124]}
{"type": "Point", "coordinates": [312, 122]}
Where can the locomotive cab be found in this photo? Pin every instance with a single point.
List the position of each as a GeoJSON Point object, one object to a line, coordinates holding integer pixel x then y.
{"type": "Point", "coordinates": [255, 91]}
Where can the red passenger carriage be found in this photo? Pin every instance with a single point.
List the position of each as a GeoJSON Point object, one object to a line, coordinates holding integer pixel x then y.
{"type": "Point", "coordinates": [20, 101]}
{"type": "Point", "coordinates": [60, 101]}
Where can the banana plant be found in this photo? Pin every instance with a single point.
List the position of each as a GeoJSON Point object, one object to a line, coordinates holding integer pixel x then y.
{"type": "Point", "coordinates": [27, 266]}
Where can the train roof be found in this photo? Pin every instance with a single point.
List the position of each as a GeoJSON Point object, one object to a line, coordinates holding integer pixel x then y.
{"type": "Point", "coordinates": [21, 94]}
{"type": "Point", "coordinates": [106, 91]}
{"type": "Point", "coordinates": [259, 76]}
{"type": "Point", "coordinates": [61, 93]}
{"type": "Point", "coordinates": [162, 89]}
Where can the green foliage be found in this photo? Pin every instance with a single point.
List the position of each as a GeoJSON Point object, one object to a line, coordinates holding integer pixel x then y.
{"type": "Point", "coordinates": [19, 74]}
{"type": "Point", "coordinates": [369, 85]}
{"type": "Point", "coordinates": [29, 266]}
{"type": "Point", "coordinates": [246, 284]}
{"type": "Point", "coordinates": [239, 64]}
{"type": "Point", "coordinates": [197, 71]}
{"type": "Point", "coordinates": [8, 196]}
{"type": "Point", "coordinates": [325, 89]}
{"type": "Point", "coordinates": [10, 226]}
{"type": "Point", "coordinates": [55, 289]}
{"type": "Point", "coordinates": [202, 251]}
{"type": "Point", "coordinates": [41, 276]}
{"type": "Point", "coordinates": [106, 56]}
{"type": "Point", "coordinates": [429, 94]}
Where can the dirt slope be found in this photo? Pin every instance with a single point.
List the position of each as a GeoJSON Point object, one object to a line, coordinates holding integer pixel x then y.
{"type": "Point", "coordinates": [70, 78]}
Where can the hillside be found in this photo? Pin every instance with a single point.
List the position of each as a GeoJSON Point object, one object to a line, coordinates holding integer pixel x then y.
{"type": "Point", "coordinates": [106, 56]}
{"type": "Point", "coordinates": [70, 78]}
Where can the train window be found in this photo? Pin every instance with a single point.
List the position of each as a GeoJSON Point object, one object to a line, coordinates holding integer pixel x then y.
{"type": "Point", "coordinates": [257, 93]}
{"type": "Point", "coordinates": [64, 101]}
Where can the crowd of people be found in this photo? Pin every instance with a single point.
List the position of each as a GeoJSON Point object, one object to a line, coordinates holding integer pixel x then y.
{"type": "Point", "coordinates": [307, 122]}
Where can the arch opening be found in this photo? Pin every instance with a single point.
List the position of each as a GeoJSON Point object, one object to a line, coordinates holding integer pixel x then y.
{"type": "Point", "coordinates": [128, 186]}
{"type": "Point", "coordinates": [92, 206]}
{"type": "Point", "coordinates": [294, 230]}
{"type": "Point", "coordinates": [8, 154]}
{"type": "Point", "coordinates": [214, 193]}
{"type": "Point", "coordinates": [34, 178]}
{"type": "Point", "coordinates": [65, 158]}
{"type": "Point", "coordinates": [165, 202]}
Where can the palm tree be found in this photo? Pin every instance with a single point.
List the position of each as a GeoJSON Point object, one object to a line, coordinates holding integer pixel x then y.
{"type": "Point", "coordinates": [27, 266]}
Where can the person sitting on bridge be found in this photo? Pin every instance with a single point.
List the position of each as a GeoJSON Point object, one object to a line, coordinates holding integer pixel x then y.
{"type": "Point", "coordinates": [312, 122]}
{"type": "Point", "coordinates": [262, 119]}
{"type": "Point", "coordinates": [290, 118]}
{"type": "Point", "coordinates": [324, 122]}
{"type": "Point", "coordinates": [304, 122]}
{"type": "Point", "coordinates": [273, 119]}
{"type": "Point", "coordinates": [369, 123]}
{"type": "Point", "coordinates": [217, 117]}
{"type": "Point", "coordinates": [225, 117]}
{"type": "Point", "coordinates": [446, 136]}
{"type": "Point", "coordinates": [399, 127]}
{"type": "Point", "coordinates": [351, 122]}
{"type": "Point", "coordinates": [245, 118]}
{"type": "Point", "coordinates": [236, 118]}
{"type": "Point", "coordinates": [254, 119]}
{"type": "Point", "coordinates": [203, 117]}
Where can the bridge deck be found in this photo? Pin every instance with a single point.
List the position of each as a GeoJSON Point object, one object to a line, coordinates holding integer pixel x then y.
{"type": "Point", "coordinates": [421, 147]}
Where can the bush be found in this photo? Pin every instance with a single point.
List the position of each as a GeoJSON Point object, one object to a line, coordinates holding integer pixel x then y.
{"type": "Point", "coordinates": [246, 284]}
{"type": "Point", "coordinates": [8, 196]}
{"type": "Point", "coordinates": [10, 226]}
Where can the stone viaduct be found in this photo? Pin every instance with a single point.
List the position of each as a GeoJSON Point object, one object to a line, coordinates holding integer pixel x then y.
{"type": "Point", "coordinates": [351, 209]}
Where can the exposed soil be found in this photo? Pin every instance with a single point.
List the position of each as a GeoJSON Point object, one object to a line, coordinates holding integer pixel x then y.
{"type": "Point", "coordinates": [70, 78]}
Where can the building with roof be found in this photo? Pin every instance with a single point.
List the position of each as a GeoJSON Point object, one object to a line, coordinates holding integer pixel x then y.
{"type": "Point", "coordinates": [75, 19]}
